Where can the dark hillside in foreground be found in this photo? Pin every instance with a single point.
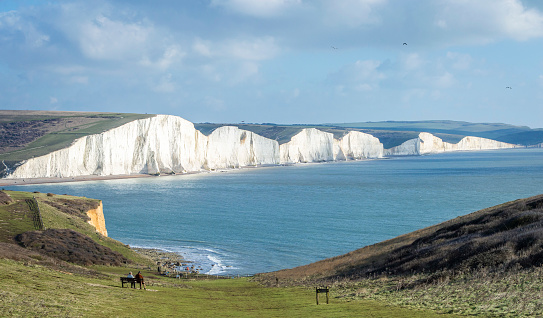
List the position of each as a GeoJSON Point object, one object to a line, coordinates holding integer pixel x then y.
{"type": "Point", "coordinates": [506, 236]}
{"type": "Point", "coordinates": [63, 233]}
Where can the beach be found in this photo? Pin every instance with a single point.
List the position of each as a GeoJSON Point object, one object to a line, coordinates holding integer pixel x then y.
{"type": "Point", "coordinates": [11, 182]}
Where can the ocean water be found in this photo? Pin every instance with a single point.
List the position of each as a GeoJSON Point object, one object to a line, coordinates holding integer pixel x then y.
{"type": "Point", "coordinates": [263, 219]}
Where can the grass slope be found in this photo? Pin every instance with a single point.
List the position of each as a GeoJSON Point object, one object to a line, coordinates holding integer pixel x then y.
{"type": "Point", "coordinates": [38, 285]}
{"type": "Point", "coordinates": [16, 218]}
{"type": "Point", "coordinates": [30, 290]}
{"type": "Point", "coordinates": [501, 237]}
{"type": "Point", "coordinates": [486, 263]}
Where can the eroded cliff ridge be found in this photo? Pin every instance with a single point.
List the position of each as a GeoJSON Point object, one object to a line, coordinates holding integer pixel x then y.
{"type": "Point", "coordinates": [97, 219]}
{"type": "Point", "coordinates": [427, 143]}
{"type": "Point", "coordinates": [170, 144]}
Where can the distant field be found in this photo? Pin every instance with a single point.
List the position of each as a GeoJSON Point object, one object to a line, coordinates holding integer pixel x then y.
{"type": "Point", "coordinates": [521, 135]}
{"type": "Point", "coordinates": [27, 134]}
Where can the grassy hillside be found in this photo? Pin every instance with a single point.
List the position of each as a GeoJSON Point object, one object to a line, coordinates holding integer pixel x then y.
{"type": "Point", "coordinates": [17, 218]}
{"type": "Point", "coordinates": [27, 134]}
{"type": "Point", "coordinates": [36, 283]}
{"type": "Point", "coordinates": [502, 237]}
{"type": "Point", "coordinates": [489, 262]}
{"type": "Point", "coordinates": [486, 264]}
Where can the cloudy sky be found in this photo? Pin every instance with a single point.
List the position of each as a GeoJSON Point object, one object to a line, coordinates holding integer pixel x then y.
{"type": "Point", "coordinates": [281, 61]}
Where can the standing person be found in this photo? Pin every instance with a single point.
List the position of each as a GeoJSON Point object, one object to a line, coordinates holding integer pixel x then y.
{"type": "Point", "coordinates": [139, 279]}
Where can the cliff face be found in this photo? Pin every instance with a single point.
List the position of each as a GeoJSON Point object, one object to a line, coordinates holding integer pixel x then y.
{"type": "Point", "coordinates": [231, 147]}
{"type": "Point", "coordinates": [309, 145]}
{"type": "Point", "coordinates": [97, 219]}
{"type": "Point", "coordinates": [313, 145]}
{"type": "Point", "coordinates": [357, 145]}
{"type": "Point", "coordinates": [158, 144]}
{"type": "Point", "coordinates": [427, 143]}
{"type": "Point", "coordinates": [170, 144]}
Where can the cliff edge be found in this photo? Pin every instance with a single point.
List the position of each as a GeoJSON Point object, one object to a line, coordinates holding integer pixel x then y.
{"type": "Point", "coordinates": [165, 144]}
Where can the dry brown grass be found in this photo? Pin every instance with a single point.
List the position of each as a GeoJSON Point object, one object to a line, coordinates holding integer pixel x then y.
{"type": "Point", "coordinates": [502, 237]}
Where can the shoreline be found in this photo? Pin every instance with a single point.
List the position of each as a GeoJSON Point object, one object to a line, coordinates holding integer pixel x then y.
{"type": "Point", "coordinates": [32, 181]}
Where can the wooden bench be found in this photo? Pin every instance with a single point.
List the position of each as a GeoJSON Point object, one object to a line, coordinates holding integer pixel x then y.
{"type": "Point", "coordinates": [132, 281]}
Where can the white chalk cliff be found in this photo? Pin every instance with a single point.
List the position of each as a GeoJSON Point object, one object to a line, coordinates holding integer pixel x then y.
{"type": "Point", "coordinates": [427, 143]}
{"type": "Point", "coordinates": [170, 144]}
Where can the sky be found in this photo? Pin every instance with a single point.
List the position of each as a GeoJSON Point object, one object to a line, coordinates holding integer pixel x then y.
{"type": "Point", "coordinates": [277, 61]}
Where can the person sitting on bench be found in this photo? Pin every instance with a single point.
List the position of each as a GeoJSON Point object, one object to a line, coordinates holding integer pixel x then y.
{"type": "Point", "coordinates": [139, 279]}
{"type": "Point", "coordinates": [132, 283]}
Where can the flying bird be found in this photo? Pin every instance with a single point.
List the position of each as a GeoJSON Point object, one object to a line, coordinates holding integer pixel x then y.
{"type": "Point", "coordinates": [509, 87]}
{"type": "Point", "coordinates": [335, 48]}
{"type": "Point", "coordinates": [404, 43]}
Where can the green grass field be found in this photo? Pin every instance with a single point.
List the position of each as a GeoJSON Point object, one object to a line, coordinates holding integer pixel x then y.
{"type": "Point", "coordinates": [91, 123]}
{"type": "Point", "coordinates": [35, 291]}
{"type": "Point", "coordinates": [33, 284]}
{"type": "Point", "coordinates": [36, 285]}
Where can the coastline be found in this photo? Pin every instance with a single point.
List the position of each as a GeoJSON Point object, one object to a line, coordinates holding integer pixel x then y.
{"type": "Point", "coordinates": [29, 181]}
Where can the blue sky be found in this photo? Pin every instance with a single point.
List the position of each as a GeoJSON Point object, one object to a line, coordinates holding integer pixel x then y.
{"type": "Point", "coordinates": [281, 61]}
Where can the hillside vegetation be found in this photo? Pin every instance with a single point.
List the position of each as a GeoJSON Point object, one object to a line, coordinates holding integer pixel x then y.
{"type": "Point", "coordinates": [64, 233]}
{"type": "Point", "coordinates": [498, 238]}
{"type": "Point", "coordinates": [487, 263]}
{"type": "Point", "coordinates": [48, 273]}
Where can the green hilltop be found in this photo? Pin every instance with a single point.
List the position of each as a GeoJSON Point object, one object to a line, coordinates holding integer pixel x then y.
{"type": "Point", "coordinates": [27, 134]}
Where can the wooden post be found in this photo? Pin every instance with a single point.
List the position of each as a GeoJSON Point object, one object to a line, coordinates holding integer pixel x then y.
{"type": "Point", "coordinates": [322, 290]}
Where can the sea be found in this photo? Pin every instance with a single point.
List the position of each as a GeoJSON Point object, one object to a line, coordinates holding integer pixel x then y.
{"type": "Point", "coordinates": [253, 220]}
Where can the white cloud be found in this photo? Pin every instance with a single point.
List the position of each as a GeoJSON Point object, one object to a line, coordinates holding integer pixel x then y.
{"type": "Point", "coordinates": [79, 79]}
{"type": "Point", "coordinates": [249, 49]}
{"type": "Point", "coordinates": [444, 80]}
{"type": "Point", "coordinates": [489, 20]}
{"type": "Point", "coordinates": [202, 47]}
{"type": "Point", "coordinates": [252, 49]}
{"type": "Point", "coordinates": [244, 72]}
{"type": "Point", "coordinates": [258, 8]}
{"type": "Point", "coordinates": [11, 21]}
{"type": "Point", "coordinates": [352, 13]}
{"type": "Point", "coordinates": [165, 84]}
{"type": "Point", "coordinates": [214, 103]}
{"type": "Point", "coordinates": [361, 76]}
{"type": "Point", "coordinates": [103, 38]}
{"type": "Point", "coordinates": [171, 55]}
{"type": "Point", "coordinates": [459, 61]}
{"type": "Point", "coordinates": [412, 62]}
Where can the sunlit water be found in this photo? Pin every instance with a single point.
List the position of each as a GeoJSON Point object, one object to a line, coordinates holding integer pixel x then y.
{"type": "Point", "coordinates": [257, 220]}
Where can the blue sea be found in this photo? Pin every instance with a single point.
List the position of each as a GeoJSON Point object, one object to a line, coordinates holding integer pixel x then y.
{"type": "Point", "coordinates": [246, 221]}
